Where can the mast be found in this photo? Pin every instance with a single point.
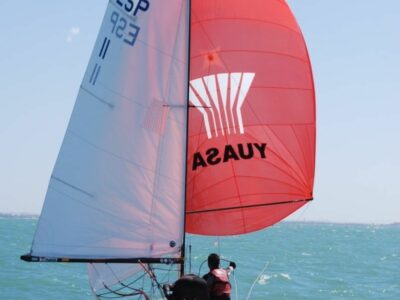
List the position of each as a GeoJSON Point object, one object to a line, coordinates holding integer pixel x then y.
{"type": "Point", "coordinates": [187, 141]}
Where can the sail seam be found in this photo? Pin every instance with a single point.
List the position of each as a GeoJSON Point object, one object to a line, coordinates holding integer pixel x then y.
{"type": "Point", "coordinates": [110, 105]}
{"type": "Point", "coordinates": [260, 125]}
{"type": "Point", "coordinates": [294, 174]}
{"type": "Point", "coordinates": [249, 20]}
{"type": "Point", "coordinates": [199, 193]}
{"type": "Point", "coordinates": [72, 186]}
{"type": "Point", "coordinates": [257, 51]}
{"type": "Point", "coordinates": [247, 206]}
{"type": "Point", "coordinates": [118, 157]}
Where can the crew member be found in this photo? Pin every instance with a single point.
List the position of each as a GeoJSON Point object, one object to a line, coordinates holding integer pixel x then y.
{"type": "Point", "coordinates": [219, 287]}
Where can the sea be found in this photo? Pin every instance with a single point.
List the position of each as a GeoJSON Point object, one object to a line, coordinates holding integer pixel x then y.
{"type": "Point", "coordinates": [291, 260]}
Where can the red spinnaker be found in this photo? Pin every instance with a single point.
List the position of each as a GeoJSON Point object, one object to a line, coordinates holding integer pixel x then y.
{"type": "Point", "coordinates": [251, 152]}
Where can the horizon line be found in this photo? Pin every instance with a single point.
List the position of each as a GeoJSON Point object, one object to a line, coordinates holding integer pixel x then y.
{"type": "Point", "coordinates": [36, 216]}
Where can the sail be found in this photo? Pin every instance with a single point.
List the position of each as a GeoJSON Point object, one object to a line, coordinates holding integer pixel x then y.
{"type": "Point", "coordinates": [117, 189]}
{"type": "Point", "coordinates": [251, 143]}
{"type": "Point", "coordinates": [108, 275]}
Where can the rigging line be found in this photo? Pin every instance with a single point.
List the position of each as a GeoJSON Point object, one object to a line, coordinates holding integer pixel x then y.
{"type": "Point", "coordinates": [190, 256]}
{"type": "Point", "coordinates": [108, 291]}
{"type": "Point", "coordinates": [248, 206]}
{"type": "Point", "coordinates": [304, 210]}
{"type": "Point", "coordinates": [201, 266]}
{"type": "Point", "coordinates": [115, 275]}
{"type": "Point", "coordinates": [259, 195]}
{"type": "Point", "coordinates": [122, 288]}
{"type": "Point", "coordinates": [156, 282]}
{"type": "Point", "coordinates": [236, 286]}
{"type": "Point", "coordinates": [254, 283]}
{"type": "Point", "coordinates": [95, 268]}
{"type": "Point", "coordinates": [148, 271]}
{"type": "Point", "coordinates": [167, 272]}
{"type": "Point", "coordinates": [141, 293]}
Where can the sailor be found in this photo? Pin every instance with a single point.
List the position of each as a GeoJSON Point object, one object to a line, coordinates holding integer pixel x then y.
{"type": "Point", "coordinates": [219, 287]}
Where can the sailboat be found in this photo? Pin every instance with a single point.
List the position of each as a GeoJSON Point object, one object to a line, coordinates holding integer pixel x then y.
{"type": "Point", "coordinates": [192, 117]}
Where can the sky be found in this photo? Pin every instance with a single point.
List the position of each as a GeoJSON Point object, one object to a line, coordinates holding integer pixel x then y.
{"type": "Point", "coordinates": [355, 53]}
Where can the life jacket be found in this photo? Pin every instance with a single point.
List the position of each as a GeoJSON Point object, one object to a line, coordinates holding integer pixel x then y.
{"type": "Point", "coordinates": [221, 283]}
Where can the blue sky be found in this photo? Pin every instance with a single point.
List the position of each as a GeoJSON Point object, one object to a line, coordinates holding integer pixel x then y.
{"type": "Point", "coordinates": [355, 52]}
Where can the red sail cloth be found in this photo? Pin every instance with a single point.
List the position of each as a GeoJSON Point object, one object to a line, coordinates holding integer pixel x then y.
{"type": "Point", "coordinates": [252, 50]}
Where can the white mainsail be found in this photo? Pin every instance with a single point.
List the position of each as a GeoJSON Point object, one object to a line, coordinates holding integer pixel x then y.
{"type": "Point", "coordinates": [117, 189]}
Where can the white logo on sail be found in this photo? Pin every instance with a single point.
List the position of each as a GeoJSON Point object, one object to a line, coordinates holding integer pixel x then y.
{"type": "Point", "coordinates": [219, 98]}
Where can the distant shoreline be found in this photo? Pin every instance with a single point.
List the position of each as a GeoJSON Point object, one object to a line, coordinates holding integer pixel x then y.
{"type": "Point", "coordinates": [21, 216]}
{"type": "Point", "coordinates": [35, 216]}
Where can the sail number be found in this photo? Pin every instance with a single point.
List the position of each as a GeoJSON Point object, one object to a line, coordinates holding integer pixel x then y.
{"type": "Point", "coordinates": [123, 29]}
{"type": "Point", "coordinates": [133, 6]}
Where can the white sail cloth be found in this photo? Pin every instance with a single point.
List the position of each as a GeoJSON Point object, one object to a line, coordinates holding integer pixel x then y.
{"type": "Point", "coordinates": [117, 189]}
{"type": "Point", "coordinates": [107, 275]}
